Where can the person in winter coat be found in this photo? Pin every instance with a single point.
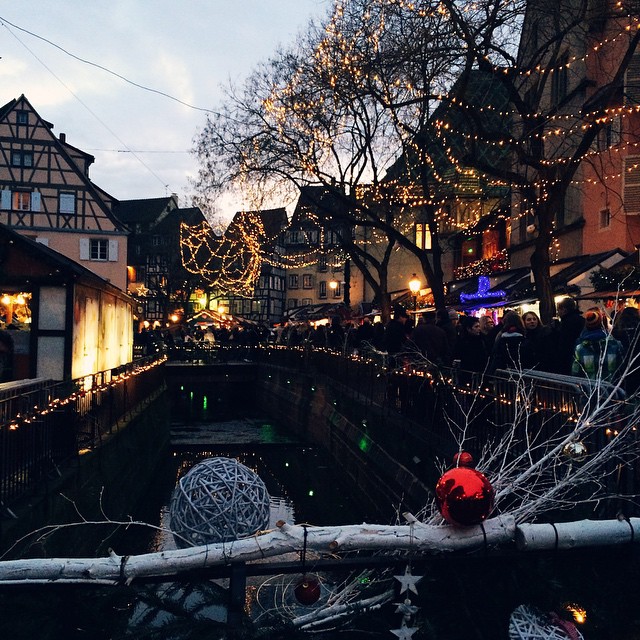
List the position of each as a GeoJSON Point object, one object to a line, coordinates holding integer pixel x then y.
{"type": "Point", "coordinates": [511, 349]}
{"type": "Point", "coordinates": [470, 348]}
{"type": "Point", "coordinates": [568, 332]}
{"type": "Point", "coordinates": [626, 329]}
{"type": "Point", "coordinates": [597, 355]}
{"type": "Point", "coordinates": [541, 340]}
{"type": "Point", "coordinates": [431, 341]}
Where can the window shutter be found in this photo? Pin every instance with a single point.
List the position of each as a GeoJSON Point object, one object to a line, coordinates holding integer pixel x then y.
{"type": "Point", "coordinates": [632, 185]}
{"type": "Point", "coordinates": [113, 251]}
{"type": "Point", "coordinates": [84, 248]}
{"type": "Point", "coordinates": [6, 200]}
{"type": "Point", "coordinates": [35, 201]}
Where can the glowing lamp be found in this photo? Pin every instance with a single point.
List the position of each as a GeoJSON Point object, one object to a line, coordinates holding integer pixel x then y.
{"type": "Point", "coordinates": [333, 284]}
{"type": "Point", "coordinates": [414, 284]}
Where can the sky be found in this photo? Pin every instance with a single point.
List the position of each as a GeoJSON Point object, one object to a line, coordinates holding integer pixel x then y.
{"type": "Point", "coordinates": [188, 49]}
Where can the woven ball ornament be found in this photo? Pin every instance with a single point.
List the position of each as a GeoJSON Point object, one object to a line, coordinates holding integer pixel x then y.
{"type": "Point", "coordinates": [218, 500]}
{"type": "Point", "coordinates": [464, 496]}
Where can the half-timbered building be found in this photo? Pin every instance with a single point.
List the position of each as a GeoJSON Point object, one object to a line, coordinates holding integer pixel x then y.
{"type": "Point", "coordinates": [47, 195]}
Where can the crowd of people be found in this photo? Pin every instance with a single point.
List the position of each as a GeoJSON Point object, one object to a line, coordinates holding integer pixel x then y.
{"type": "Point", "coordinates": [589, 344]}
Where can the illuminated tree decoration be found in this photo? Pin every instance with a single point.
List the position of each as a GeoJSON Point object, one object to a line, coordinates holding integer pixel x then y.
{"type": "Point", "coordinates": [483, 292]}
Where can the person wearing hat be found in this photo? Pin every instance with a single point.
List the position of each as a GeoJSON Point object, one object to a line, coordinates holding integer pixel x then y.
{"type": "Point", "coordinates": [597, 355]}
{"type": "Point", "coordinates": [565, 335]}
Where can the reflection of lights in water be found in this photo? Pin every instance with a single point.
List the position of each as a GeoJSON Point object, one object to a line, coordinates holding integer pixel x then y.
{"type": "Point", "coordinates": [579, 614]}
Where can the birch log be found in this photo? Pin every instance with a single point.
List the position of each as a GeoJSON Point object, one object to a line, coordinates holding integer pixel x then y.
{"type": "Point", "coordinates": [286, 538]}
{"type": "Point", "coordinates": [574, 535]}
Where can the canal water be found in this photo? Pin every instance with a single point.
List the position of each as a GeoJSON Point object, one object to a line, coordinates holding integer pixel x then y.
{"type": "Point", "coordinates": [467, 597]}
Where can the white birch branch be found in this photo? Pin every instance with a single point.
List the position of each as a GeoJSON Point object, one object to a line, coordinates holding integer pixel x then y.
{"type": "Point", "coordinates": [574, 535]}
{"type": "Point", "coordinates": [286, 539]}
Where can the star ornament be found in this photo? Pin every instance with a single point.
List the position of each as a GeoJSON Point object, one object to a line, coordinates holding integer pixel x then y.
{"type": "Point", "coordinates": [142, 291]}
{"type": "Point", "coordinates": [408, 582]}
{"type": "Point", "coordinates": [404, 632]}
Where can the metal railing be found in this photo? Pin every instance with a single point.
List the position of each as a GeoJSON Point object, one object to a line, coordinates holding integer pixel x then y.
{"type": "Point", "coordinates": [45, 424]}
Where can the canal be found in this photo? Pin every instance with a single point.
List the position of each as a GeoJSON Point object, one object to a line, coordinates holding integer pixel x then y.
{"type": "Point", "coordinates": [462, 596]}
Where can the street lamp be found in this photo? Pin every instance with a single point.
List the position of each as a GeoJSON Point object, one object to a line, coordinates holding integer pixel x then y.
{"type": "Point", "coordinates": [333, 285]}
{"type": "Point", "coordinates": [414, 287]}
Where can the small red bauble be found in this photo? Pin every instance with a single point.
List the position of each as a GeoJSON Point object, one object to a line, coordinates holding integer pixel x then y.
{"type": "Point", "coordinates": [464, 496]}
{"type": "Point", "coordinates": [307, 591]}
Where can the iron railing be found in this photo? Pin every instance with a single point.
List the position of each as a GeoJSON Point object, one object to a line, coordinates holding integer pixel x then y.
{"type": "Point", "coordinates": [45, 424]}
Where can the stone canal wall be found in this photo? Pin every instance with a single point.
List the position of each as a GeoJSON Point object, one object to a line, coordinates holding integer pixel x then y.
{"type": "Point", "coordinates": [383, 455]}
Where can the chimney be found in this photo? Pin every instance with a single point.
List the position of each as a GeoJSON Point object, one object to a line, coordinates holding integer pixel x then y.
{"type": "Point", "coordinates": [63, 137]}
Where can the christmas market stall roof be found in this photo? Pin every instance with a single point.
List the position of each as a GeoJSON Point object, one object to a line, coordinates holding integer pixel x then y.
{"type": "Point", "coordinates": [208, 316]}
{"type": "Point", "coordinates": [314, 312]}
{"type": "Point", "coordinates": [569, 276]}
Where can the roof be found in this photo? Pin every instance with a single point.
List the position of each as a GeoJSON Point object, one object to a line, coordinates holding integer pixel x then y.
{"type": "Point", "coordinates": [317, 311]}
{"type": "Point", "coordinates": [318, 199]}
{"type": "Point", "coordinates": [274, 221]}
{"type": "Point", "coordinates": [143, 209]}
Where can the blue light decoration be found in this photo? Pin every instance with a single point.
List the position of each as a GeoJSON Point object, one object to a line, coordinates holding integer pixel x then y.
{"type": "Point", "coordinates": [483, 291]}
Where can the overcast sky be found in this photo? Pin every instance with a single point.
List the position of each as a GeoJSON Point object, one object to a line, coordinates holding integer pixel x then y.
{"type": "Point", "coordinates": [188, 49]}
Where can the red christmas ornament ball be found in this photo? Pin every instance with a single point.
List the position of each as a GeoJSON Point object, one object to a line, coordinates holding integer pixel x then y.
{"type": "Point", "coordinates": [463, 459]}
{"type": "Point", "coordinates": [307, 591]}
{"type": "Point", "coordinates": [464, 496]}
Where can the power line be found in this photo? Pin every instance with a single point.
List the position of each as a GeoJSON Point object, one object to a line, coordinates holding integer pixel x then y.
{"type": "Point", "coordinates": [104, 124]}
{"type": "Point", "coordinates": [99, 66]}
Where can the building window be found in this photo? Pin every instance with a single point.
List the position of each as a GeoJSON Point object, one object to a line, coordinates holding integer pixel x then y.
{"type": "Point", "coordinates": [632, 82]}
{"type": "Point", "coordinates": [292, 302]}
{"type": "Point", "coordinates": [293, 281]}
{"type": "Point", "coordinates": [336, 291]}
{"type": "Point", "coordinates": [423, 236]}
{"type": "Point", "coordinates": [605, 218]}
{"type": "Point", "coordinates": [307, 281]}
{"type": "Point", "coordinates": [322, 263]}
{"type": "Point", "coordinates": [22, 117]}
{"type": "Point", "coordinates": [156, 241]}
{"type": "Point", "coordinates": [22, 158]}
{"type": "Point", "coordinates": [306, 302]}
{"type": "Point", "coordinates": [99, 250]}
{"type": "Point", "coordinates": [21, 201]}
{"type": "Point", "coordinates": [322, 289]}
{"type": "Point", "coordinates": [559, 81]}
{"type": "Point", "coordinates": [67, 203]}
{"type": "Point", "coordinates": [632, 185]}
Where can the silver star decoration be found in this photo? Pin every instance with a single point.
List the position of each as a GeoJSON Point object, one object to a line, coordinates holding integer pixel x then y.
{"type": "Point", "coordinates": [404, 632]}
{"type": "Point", "coordinates": [406, 608]}
{"type": "Point", "coordinates": [408, 582]}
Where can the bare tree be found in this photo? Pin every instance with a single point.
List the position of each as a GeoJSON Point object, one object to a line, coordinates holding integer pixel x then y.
{"type": "Point", "coordinates": [336, 112]}
{"type": "Point", "coordinates": [558, 104]}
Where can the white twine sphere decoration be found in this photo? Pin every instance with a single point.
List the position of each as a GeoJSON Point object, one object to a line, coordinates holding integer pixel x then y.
{"type": "Point", "coordinates": [218, 500]}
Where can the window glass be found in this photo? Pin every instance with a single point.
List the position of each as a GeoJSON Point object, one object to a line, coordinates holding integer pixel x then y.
{"type": "Point", "coordinates": [21, 200]}
{"type": "Point", "coordinates": [99, 250]}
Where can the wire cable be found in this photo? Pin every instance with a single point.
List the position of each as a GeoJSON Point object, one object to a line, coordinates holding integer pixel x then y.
{"type": "Point", "coordinates": [6, 22]}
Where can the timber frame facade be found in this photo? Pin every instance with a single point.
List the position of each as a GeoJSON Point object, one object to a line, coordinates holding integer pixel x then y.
{"type": "Point", "coordinates": [46, 194]}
